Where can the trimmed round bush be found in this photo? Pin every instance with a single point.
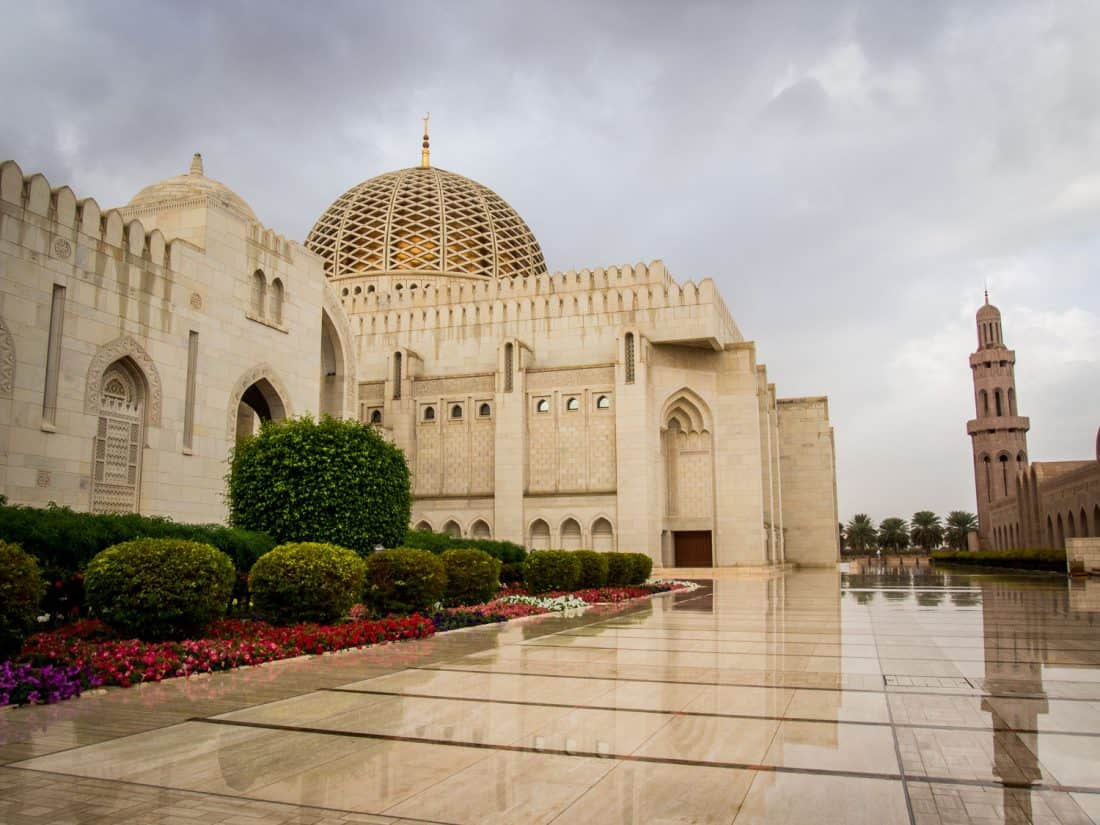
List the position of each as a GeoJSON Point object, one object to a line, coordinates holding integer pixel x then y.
{"type": "Point", "coordinates": [547, 570]}
{"type": "Point", "coordinates": [473, 577]}
{"type": "Point", "coordinates": [641, 566]}
{"type": "Point", "coordinates": [620, 569]}
{"type": "Point", "coordinates": [306, 582]}
{"type": "Point", "coordinates": [21, 591]}
{"type": "Point", "coordinates": [593, 568]}
{"type": "Point", "coordinates": [404, 580]}
{"type": "Point", "coordinates": [335, 481]}
{"type": "Point", "coordinates": [158, 589]}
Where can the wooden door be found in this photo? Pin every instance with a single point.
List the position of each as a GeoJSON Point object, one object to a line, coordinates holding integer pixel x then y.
{"type": "Point", "coordinates": [693, 548]}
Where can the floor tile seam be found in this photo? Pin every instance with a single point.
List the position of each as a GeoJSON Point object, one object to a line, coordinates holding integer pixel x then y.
{"type": "Point", "coordinates": [897, 744]}
{"type": "Point", "coordinates": [706, 714]}
{"type": "Point", "coordinates": [579, 754]}
{"type": "Point", "coordinates": [750, 766]}
{"type": "Point", "coordinates": [894, 692]}
{"type": "Point", "coordinates": [559, 817]}
{"type": "Point", "coordinates": [218, 795]}
{"type": "Point", "coordinates": [533, 643]}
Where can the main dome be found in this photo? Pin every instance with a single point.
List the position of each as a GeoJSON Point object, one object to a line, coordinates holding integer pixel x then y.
{"type": "Point", "coordinates": [427, 221]}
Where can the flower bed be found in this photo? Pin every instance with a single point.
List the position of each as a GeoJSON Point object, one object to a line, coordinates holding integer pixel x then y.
{"type": "Point", "coordinates": [230, 643]}
{"type": "Point", "coordinates": [59, 664]}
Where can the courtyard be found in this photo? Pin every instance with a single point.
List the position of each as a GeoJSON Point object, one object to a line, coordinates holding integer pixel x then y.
{"type": "Point", "coordinates": [875, 696]}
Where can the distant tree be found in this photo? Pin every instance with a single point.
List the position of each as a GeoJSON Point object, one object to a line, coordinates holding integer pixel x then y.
{"type": "Point", "coordinates": [926, 530]}
{"type": "Point", "coordinates": [840, 533]}
{"type": "Point", "coordinates": [959, 524]}
{"type": "Point", "coordinates": [860, 533]}
{"type": "Point", "coordinates": [893, 534]}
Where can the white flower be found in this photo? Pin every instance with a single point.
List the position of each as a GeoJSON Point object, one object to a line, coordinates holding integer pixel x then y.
{"type": "Point", "coordinates": [684, 585]}
{"type": "Point", "coordinates": [554, 603]}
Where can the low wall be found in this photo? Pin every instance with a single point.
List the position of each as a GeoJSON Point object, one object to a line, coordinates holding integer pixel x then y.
{"type": "Point", "coordinates": [1083, 553]}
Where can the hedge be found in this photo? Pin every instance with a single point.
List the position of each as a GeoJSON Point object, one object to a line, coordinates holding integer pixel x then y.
{"type": "Point", "coordinates": [335, 481]}
{"type": "Point", "coordinates": [306, 582]}
{"type": "Point", "coordinates": [21, 589]}
{"type": "Point", "coordinates": [546, 570]}
{"type": "Point", "coordinates": [506, 552]}
{"type": "Point", "coordinates": [473, 576]}
{"type": "Point", "coordinates": [593, 568]}
{"type": "Point", "coordinates": [158, 589]}
{"type": "Point", "coordinates": [1019, 559]}
{"type": "Point", "coordinates": [641, 565]}
{"type": "Point", "coordinates": [620, 569]}
{"type": "Point", "coordinates": [404, 580]}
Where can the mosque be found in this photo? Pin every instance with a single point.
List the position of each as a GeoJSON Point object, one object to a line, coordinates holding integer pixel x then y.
{"type": "Point", "coordinates": [615, 408]}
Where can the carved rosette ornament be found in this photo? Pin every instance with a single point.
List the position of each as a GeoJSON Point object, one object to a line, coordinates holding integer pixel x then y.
{"type": "Point", "coordinates": [62, 248]}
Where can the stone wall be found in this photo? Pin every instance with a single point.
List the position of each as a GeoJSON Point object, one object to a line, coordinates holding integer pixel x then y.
{"type": "Point", "coordinates": [810, 518]}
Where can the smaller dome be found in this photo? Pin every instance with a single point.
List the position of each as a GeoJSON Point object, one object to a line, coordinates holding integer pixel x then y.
{"type": "Point", "coordinates": [192, 185]}
{"type": "Point", "coordinates": [988, 312]}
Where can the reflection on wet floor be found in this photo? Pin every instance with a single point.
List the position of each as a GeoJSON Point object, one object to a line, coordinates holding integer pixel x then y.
{"type": "Point", "coordinates": [874, 695]}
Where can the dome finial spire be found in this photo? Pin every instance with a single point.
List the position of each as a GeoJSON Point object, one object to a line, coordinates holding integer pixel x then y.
{"type": "Point", "coordinates": [196, 164]}
{"type": "Point", "coordinates": [987, 292]}
{"type": "Point", "coordinates": [424, 153]}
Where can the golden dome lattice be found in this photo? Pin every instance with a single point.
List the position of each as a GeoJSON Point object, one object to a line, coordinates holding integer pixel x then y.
{"type": "Point", "coordinates": [428, 221]}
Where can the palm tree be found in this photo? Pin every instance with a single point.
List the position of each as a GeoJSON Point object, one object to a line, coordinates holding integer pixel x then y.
{"type": "Point", "coordinates": [893, 533]}
{"type": "Point", "coordinates": [926, 530]}
{"type": "Point", "coordinates": [860, 533]}
{"type": "Point", "coordinates": [959, 524]}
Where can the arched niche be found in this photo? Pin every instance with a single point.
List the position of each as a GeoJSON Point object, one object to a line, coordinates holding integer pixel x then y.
{"type": "Point", "coordinates": [257, 396]}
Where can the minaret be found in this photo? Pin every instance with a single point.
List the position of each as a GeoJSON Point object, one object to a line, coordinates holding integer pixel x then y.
{"type": "Point", "coordinates": [998, 433]}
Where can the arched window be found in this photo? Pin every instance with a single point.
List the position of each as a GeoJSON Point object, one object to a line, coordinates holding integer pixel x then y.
{"type": "Point", "coordinates": [452, 529]}
{"type": "Point", "coordinates": [1011, 401]}
{"type": "Point", "coordinates": [603, 402]}
{"type": "Point", "coordinates": [1084, 524]}
{"type": "Point", "coordinates": [1071, 522]}
{"type": "Point", "coordinates": [1060, 533]}
{"type": "Point", "coordinates": [539, 535]}
{"type": "Point", "coordinates": [429, 413]}
{"type": "Point", "coordinates": [988, 478]}
{"type": "Point", "coordinates": [629, 354]}
{"type": "Point", "coordinates": [480, 530]}
{"type": "Point", "coordinates": [542, 405]}
{"type": "Point", "coordinates": [485, 411]}
{"type": "Point", "coordinates": [370, 289]}
{"type": "Point", "coordinates": [424, 526]}
{"type": "Point", "coordinates": [456, 411]}
{"type": "Point", "coordinates": [276, 304]}
{"type": "Point", "coordinates": [603, 537]}
{"type": "Point", "coordinates": [1004, 472]}
{"type": "Point", "coordinates": [572, 404]}
{"type": "Point", "coordinates": [1096, 520]}
{"type": "Point", "coordinates": [259, 293]}
{"type": "Point", "coordinates": [997, 401]}
{"type": "Point", "coordinates": [570, 535]}
{"type": "Point", "coordinates": [983, 397]}
{"type": "Point", "coordinates": [397, 376]}
{"type": "Point", "coordinates": [1050, 532]}
{"type": "Point", "coordinates": [376, 417]}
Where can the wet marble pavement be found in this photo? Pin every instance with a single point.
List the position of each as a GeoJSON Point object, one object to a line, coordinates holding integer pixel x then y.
{"type": "Point", "coordinates": [874, 696]}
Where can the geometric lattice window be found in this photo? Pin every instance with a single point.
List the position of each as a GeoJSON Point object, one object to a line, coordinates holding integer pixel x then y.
{"type": "Point", "coordinates": [629, 357]}
{"type": "Point", "coordinates": [424, 220]}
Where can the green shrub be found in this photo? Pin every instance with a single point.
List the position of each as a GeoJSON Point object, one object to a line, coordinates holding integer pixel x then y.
{"type": "Point", "coordinates": [506, 551]}
{"type": "Point", "coordinates": [1043, 559]}
{"type": "Point", "coordinates": [159, 588]}
{"type": "Point", "coordinates": [404, 580]}
{"type": "Point", "coordinates": [473, 576]}
{"type": "Point", "coordinates": [593, 568]}
{"type": "Point", "coordinates": [551, 570]}
{"type": "Point", "coordinates": [641, 566]}
{"type": "Point", "coordinates": [21, 590]}
{"type": "Point", "coordinates": [620, 569]}
{"type": "Point", "coordinates": [322, 481]}
{"type": "Point", "coordinates": [306, 582]}
{"type": "Point", "coordinates": [64, 541]}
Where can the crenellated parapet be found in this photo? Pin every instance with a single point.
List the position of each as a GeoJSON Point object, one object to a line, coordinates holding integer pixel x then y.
{"type": "Point", "coordinates": [385, 305]}
{"type": "Point", "coordinates": [67, 225]}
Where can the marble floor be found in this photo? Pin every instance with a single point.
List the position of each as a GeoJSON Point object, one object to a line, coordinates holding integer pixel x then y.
{"type": "Point", "coordinates": [857, 696]}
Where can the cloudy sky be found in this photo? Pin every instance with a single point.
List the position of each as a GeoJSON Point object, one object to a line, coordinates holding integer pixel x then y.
{"type": "Point", "coordinates": [850, 173]}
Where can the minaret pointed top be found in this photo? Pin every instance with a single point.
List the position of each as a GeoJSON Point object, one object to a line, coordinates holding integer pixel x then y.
{"type": "Point", "coordinates": [424, 152]}
{"type": "Point", "coordinates": [196, 164]}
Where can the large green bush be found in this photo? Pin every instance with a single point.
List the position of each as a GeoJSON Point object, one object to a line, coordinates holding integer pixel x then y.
{"type": "Point", "coordinates": [404, 580]}
{"type": "Point", "coordinates": [328, 481]}
{"type": "Point", "coordinates": [159, 588]}
{"type": "Point", "coordinates": [620, 569]}
{"type": "Point", "coordinates": [306, 582]}
{"type": "Point", "coordinates": [593, 568]}
{"type": "Point", "coordinates": [641, 565]}
{"type": "Point", "coordinates": [473, 576]}
{"type": "Point", "coordinates": [21, 589]}
{"type": "Point", "coordinates": [551, 570]}
{"type": "Point", "coordinates": [506, 551]}
{"type": "Point", "coordinates": [1041, 559]}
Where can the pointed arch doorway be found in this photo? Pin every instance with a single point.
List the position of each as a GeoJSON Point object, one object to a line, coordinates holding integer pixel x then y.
{"type": "Point", "coordinates": [687, 449]}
